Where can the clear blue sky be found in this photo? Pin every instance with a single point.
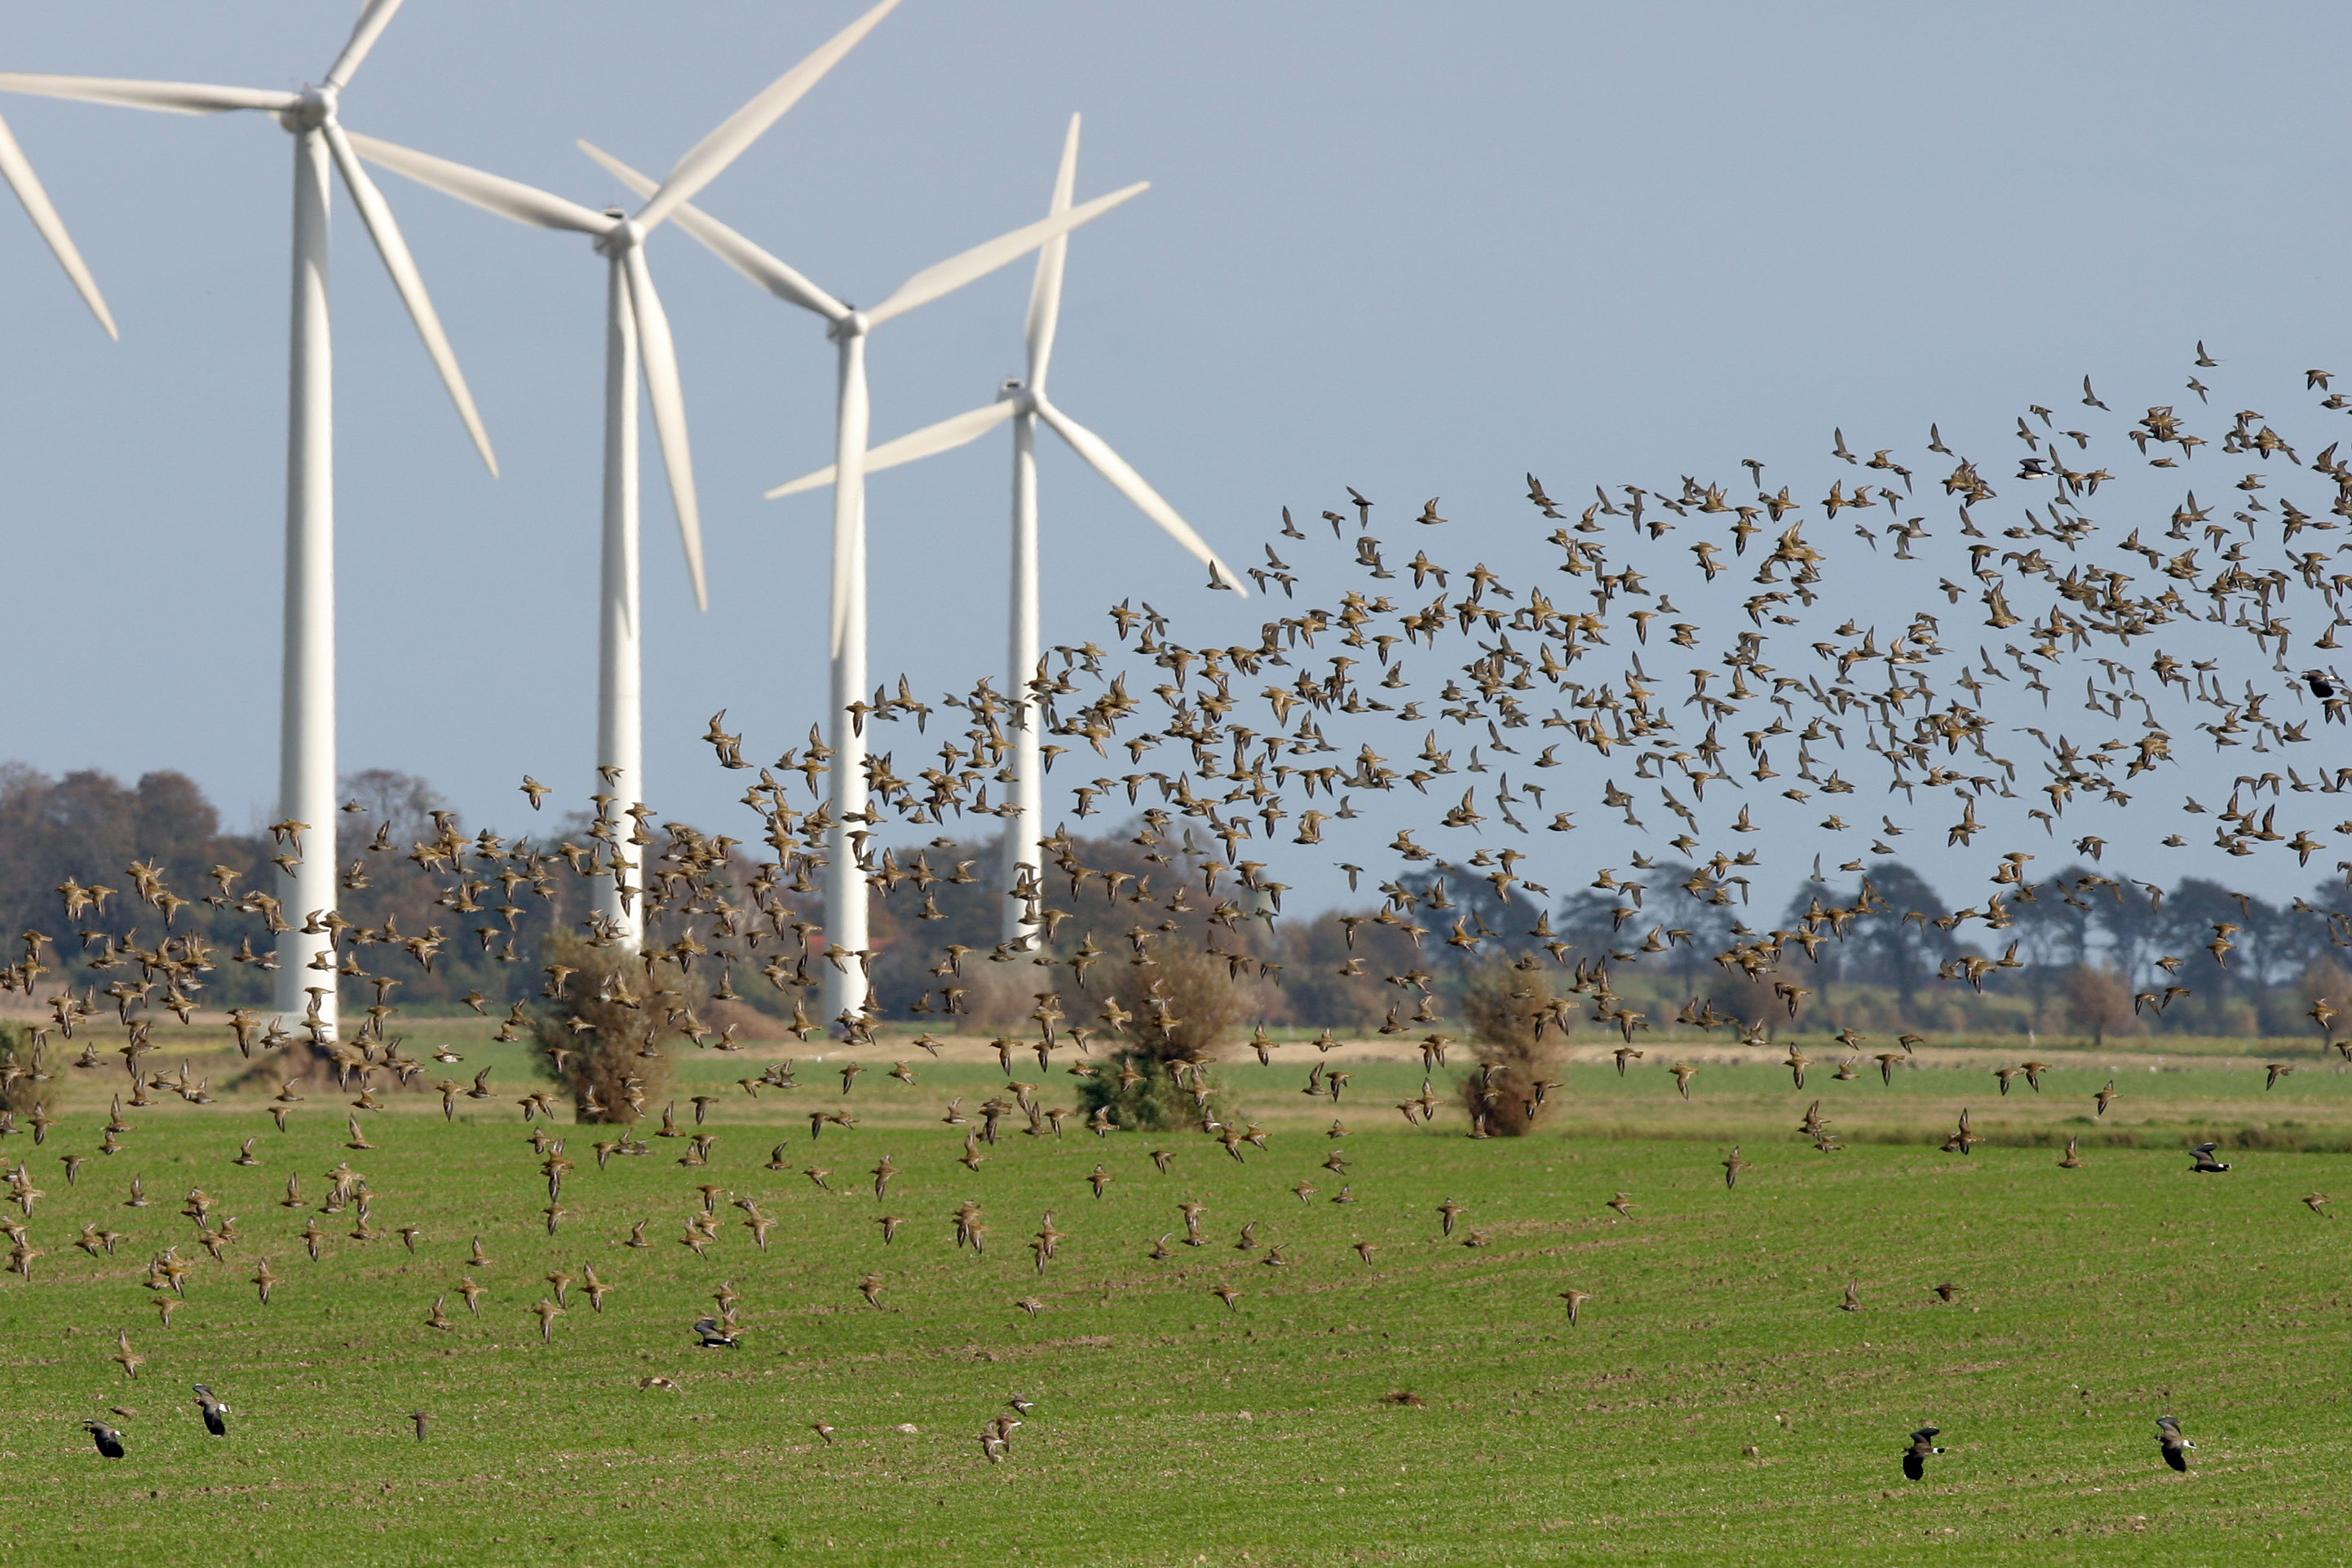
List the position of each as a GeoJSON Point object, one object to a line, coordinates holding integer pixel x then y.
{"type": "Point", "coordinates": [1417, 249]}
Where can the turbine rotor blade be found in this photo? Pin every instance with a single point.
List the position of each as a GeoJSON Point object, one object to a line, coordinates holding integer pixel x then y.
{"type": "Point", "coordinates": [1128, 483]}
{"type": "Point", "coordinates": [172, 96]}
{"type": "Point", "coordinates": [374, 18]}
{"type": "Point", "coordinates": [707, 159]}
{"type": "Point", "coordinates": [928, 441]}
{"type": "Point", "coordinates": [376, 213]}
{"type": "Point", "coordinates": [18, 171]}
{"type": "Point", "coordinates": [1045, 291]}
{"type": "Point", "coordinates": [730, 247]}
{"type": "Point", "coordinates": [493, 192]}
{"type": "Point", "coordinates": [947, 276]}
{"type": "Point", "coordinates": [658, 353]}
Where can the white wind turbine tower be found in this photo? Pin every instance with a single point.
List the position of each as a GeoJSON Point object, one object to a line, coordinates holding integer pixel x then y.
{"type": "Point", "coordinates": [845, 889]}
{"type": "Point", "coordinates": [636, 335]}
{"type": "Point", "coordinates": [307, 727]}
{"type": "Point", "coordinates": [17, 170]}
{"type": "Point", "coordinates": [1023, 403]}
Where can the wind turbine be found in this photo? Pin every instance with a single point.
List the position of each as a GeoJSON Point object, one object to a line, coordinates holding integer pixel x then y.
{"type": "Point", "coordinates": [637, 335]}
{"type": "Point", "coordinates": [1023, 403]}
{"type": "Point", "coordinates": [17, 170]}
{"type": "Point", "coordinates": [306, 767]}
{"type": "Point", "coordinates": [845, 893]}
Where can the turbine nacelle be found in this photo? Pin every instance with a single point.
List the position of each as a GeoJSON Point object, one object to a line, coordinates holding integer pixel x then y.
{"type": "Point", "coordinates": [625, 235]}
{"type": "Point", "coordinates": [854, 325]}
{"type": "Point", "coordinates": [313, 109]}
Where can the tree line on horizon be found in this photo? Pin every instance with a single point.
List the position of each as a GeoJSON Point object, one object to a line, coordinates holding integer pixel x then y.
{"type": "Point", "coordinates": [2077, 952]}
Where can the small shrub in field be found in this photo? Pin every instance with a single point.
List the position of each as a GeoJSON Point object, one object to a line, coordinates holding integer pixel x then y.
{"type": "Point", "coordinates": [19, 1060]}
{"type": "Point", "coordinates": [615, 1067]}
{"type": "Point", "coordinates": [1517, 1033]}
{"type": "Point", "coordinates": [1184, 1009]}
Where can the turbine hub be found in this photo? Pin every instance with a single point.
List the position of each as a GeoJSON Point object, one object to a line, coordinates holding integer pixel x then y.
{"type": "Point", "coordinates": [314, 109]}
{"type": "Point", "coordinates": [624, 235]}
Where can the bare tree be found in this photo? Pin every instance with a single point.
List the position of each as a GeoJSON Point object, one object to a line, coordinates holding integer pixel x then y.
{"type": "Point", "coordinates": [2098, 999]}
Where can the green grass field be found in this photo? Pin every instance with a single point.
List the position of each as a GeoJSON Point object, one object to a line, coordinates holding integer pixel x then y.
{"type": "Point", "coordinates": [1714, 1405]}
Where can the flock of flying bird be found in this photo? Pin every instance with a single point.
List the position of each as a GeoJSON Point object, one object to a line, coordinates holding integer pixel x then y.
{"type": "Point", "coordinates": [1533, 667]}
